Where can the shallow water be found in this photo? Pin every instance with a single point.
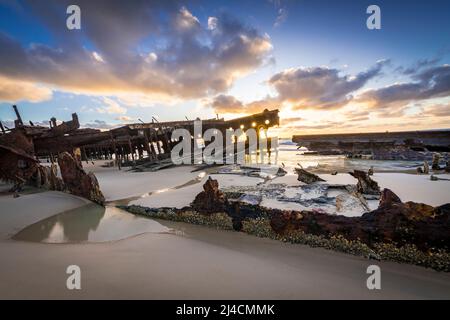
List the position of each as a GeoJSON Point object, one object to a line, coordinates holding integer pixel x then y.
{"type": "Point", "coordinates": [290, 156]}
{"type": "Point", "coordinates": [90, 223]}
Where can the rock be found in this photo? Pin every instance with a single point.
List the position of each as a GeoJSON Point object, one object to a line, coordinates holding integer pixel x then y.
{"type": "Point", "coordinates": [254, 199]}
{"type": "Point", "coordinates": [76, 154]}
{"type": "Point", "coordinates": [426, 167]}
{"type": "Point", "coordinates": [434, 178]}
{"type": "Point", "coordinates": [281, 172]}
{"type": "Point", "coordinates": [435, 161]}
{"type": "Point", "coordinates": [237, 224]}
{"type": "Point", "coordinates": [365, 184]}
{"type": "Point", "coordinates": [307, 177]}
{"type": "Point", "coordinates": [238, 210]}
{"type": "Point", "coordinates": [17, 161]}
{"type": "Point", "coordinates": [54, 182]}
{"type": "Point", "coordinates": [16, 188]}
{"type": "Point", "coordinates": [417, 211]}
{"type": "Point", "coordinates": [410, 222]}
{"type": "Point", "coordinates": [350, 203]}
{"type": "Point", "coordinates": [284, 221]}
{"type": "Point", "coordinates": [94, 188]}
{"type": "Point", "coordinates": [370, 196]}
{"type": "Point", "coordinates": [419, 170]}
{"type": "Point", "coordinates": [443, 210]}
{"type": "Point", "coordinates": [370, 172]}
{"type": "Point", "coordinates": [77, 181]}
{"type": "Point", "coordinates": [108, 164]}
{"type": "Point", "coordinates": [392, 222]}
{"type": "Point", "coordinates": [46, 177]}
{"type": "Point", "coordinates": [388, 198]}
{"type": "Point", "coordinates": [211, 199]}
{"type": "Point", "coordinates": [334, 173]}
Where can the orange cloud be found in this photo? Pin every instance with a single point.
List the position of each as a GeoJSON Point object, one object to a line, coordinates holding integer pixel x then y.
{"type": "Point", "coordinates": [14, 91]}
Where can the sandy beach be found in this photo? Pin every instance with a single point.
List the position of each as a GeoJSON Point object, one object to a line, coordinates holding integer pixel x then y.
{"type": "Point", "coordinates": [181, 261]}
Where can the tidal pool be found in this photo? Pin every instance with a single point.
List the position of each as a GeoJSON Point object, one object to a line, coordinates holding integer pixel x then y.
{"type": "Point", "coordinates": [90, 223]}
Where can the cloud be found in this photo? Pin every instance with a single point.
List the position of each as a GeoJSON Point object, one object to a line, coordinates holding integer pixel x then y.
{"type": "Point", "coordinates": [15, 90]}
{"type": "Point", "coordinates": [430, 83]}
{"type": "Point", "coordinates": [111, 107]}
{"type": "Point", "coordinates": [418, 65]}
{"type": "Point", "coordinates": [212, 23]}
{"type": "Point", "coordinates": [282, 12]}
{"type": "Point", "coordinates": [225, 103]}
{"type": "Point", "coordinates": [187, 60]}
{"type": "Point", "coordinates": [97, 57]}
{"type": "Point", "coordinates": [323, 125]}
{"type": "Point", "coordinates": [229, 104]}
{"type": "Point", "coordinates": [438, 110]}
{"type": "Point", "coordinates": [44, 123]}
{"type": "Point", "coordinates": [325, 89]}
{"type": "Point", "coordinates": [281, 17]}
{"type": "Point", "coordinates": [185, 20]}
{"type": "Point", "coordinates": [289, 121]}
{"type": "Point", "coordinates": [99, 124]}
{"type": "Point", "coordinates": [124, 118]}
{"type": "Point", "coordinates": [320, 87]}
{"type": "Point", "coordinates": [356, 115]}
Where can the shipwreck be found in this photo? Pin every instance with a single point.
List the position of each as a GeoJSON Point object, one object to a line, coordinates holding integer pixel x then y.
{"type": "Point", "coordinates": [26, 149]}
{"type": "Point", "coordinates": [407, 145]}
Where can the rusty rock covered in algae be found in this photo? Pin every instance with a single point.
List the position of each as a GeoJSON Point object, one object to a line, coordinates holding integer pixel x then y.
{"type": "Point", "coordinates": [77, 181]}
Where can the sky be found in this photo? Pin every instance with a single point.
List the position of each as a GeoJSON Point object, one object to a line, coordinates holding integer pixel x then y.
{"type": "Point", "coordinates": [315, 61]}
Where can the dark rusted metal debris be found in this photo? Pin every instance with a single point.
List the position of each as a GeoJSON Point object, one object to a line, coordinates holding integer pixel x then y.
{"type": "Point", "coordinates": [365, 183]}
{"type": "Point", "coordinates": [307, 177]}
{"type": "Point", "coordinates": [211, 199]}
{"type": "Point", "coordinates": [77, 181]}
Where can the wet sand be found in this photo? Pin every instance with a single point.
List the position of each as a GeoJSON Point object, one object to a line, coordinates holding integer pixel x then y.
{"type": "Point", "coordinates": [179, 197]}
{"type": "Point", "coordinates": [121, 184]}
{"type": "Point", "coordinates": [204, 263]}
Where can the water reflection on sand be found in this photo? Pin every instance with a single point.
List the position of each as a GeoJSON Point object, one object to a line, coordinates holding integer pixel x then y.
{"type": "Point", "coordinates": [90, 223]}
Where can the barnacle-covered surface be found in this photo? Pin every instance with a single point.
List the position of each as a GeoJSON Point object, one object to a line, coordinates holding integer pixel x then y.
{"type": "Point", "coordinates": [325, 198]}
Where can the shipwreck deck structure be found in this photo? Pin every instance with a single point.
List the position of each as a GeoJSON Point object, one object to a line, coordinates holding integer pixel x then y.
{"type": "Point", "coordinates": [24, 145]}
